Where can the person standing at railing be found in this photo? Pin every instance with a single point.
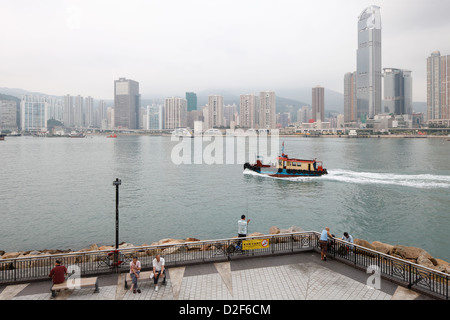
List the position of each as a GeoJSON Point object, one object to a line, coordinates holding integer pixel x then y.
{"type": "Point", "coordinates": [242, 228]}
{"type": "Point", "coordinates": [58, 274]}
{"type": "Point", "coordinates": [347, 237]}
{"type": "Point", "coordinates": [158, 269]}
{"type": "Point", "coordinates": [323, 240]}
{"type": "Point", "coordinates": [135, 270]}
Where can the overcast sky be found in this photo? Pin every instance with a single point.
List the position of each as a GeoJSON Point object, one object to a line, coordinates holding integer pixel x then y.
{"type": "Point", "coordinates": [173, 46]}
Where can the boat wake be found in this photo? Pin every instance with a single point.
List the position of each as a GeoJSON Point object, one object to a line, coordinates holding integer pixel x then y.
{"type": "Point", "coordinates": [422, 181]}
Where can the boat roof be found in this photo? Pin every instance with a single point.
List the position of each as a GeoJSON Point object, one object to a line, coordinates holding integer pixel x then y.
{"type": "Point", "coordinates": [285, 157]}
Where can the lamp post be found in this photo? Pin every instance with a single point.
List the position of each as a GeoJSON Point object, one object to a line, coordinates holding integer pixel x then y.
{"type": "Point", "coordinates": [117, 183]}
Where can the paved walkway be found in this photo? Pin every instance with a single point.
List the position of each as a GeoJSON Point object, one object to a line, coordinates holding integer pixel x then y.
{"type": "Point", "coordinates": [301, 276]}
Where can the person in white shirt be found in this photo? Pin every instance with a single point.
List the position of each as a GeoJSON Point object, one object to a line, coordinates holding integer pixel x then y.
{"type": "Point", "coordinates": [135, 269]}
{"type": "Point", "coordinates": [158, 269]}
{"type": "Point", "coordinates": [242, 226]}
{"type": "Point", "coordinates": [242, 229]}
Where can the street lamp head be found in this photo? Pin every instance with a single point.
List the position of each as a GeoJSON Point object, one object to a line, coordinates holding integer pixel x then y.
{"type": "Point", "coordinates": [118, 182]}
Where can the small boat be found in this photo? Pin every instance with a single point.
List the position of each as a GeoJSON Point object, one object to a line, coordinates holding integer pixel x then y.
{"type": "Point", "coordinates": [286, 167]}
{"type": "Point", "coordinates": [74, 134]}
{"type": "Point", "coordinates": [112, 136]}
{"type": "Point", "coordinates": [182, 132]}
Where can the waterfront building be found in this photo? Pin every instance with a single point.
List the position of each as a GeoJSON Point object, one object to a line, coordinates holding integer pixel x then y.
{"type": "Point", "coordinates": [368, 66]}
{"type": "Point", "coordinates": [78, 112]}
{"type": "Point", "coordinates": [318, 103]}
{"type": "Point", "coordinates": [284, 119]}
{"type": "Point", "coordinates": [110, 118]}
{"type": "Point", "coordinates": [215, 111]}
{"type": "Point", "coordinates": [438, 86]}
{"type": "Point", "coordinates": [229, 113]}
{"type": "Point", "coordinates": [205, 116]}
{"type": "Point", "coordinates": [191, 98]}
{"type": "Point", "coordinates": [397, 91]}
{"type": "Point", "coordinates": [100, 114]}
{"type": "Point", "coordinates": [126, 104]}
{"type": "Point", "coordinates": [175, 113]}
{"type": "Point", "coordinates": [267, 110]}
{"type": "Point", "coordinates": [55, 109]}
{"type": "Point", "coordinates": [247, 110]}
{"type": "Point", "coordinates": [350, 97]}
{"type": "Point", "coordinates": [8, 115]}
{"type": "Point", "coordinates": [303, 114]}
{"type": "Point", "coordinates": [68, 111]}
{"type": "Point", "coordinates": [89, 112]}
{"type": "Point", "coordinates": [154, 118]}
{"type": "Point", "coordinates": [33, 113]}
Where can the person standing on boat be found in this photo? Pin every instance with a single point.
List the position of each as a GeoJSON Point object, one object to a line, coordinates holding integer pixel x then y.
{"type": "Point", "coordinates": [324, 242]}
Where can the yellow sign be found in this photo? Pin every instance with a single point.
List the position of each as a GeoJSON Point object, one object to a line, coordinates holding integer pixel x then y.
{"type": "Point", "coordinates": [255, 244]}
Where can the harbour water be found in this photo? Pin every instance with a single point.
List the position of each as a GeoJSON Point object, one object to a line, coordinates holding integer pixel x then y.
{"type": "Point", "coordinates": [57, 193]}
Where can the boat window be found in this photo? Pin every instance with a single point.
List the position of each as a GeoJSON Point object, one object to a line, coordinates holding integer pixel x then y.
{"type": "Point", "coordinates": [294, 164]}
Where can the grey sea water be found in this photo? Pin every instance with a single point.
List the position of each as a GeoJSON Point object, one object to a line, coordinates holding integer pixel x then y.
{"type": "Point", "coordinates": [57, 193]}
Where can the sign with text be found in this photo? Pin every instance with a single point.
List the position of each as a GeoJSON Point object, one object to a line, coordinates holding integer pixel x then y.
{"type": "Point", "coordinates": [255, 244]}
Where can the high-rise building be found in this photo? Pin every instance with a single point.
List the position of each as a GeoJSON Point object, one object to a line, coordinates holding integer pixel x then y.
{"type": "Point", "coordinates": [397, 91]}
{"type": "Point", "coordinates": [438, 86]}
{"type": "Point", "coordinates": [68, 111]}
{"type": "Point", "coordinates": [247, 110]}
{"type": "Point", "coordinates": [191, 99]}
{"type": "Point", "coordinates": [154, 118]}
{"type": "Point", "coordinates": [215, 111]}
{"type": "Point", "coordinates": [126, 104]}
{"type": "Point", "coordinates": [303, 114]}
{"type": "Point", "coordinates": [89, 112]}
{"type": "Point", "coordinates": [229, 112]}
{"type": "Point", "coordinates": [8, 115]}
{"type": "Point", "coordinates": [33, 113]}
{"type": "Point", "coordinates": [267, 110]}
{"type": "Point", "coordinates": [350, 97]}
{"type": "Point", "coordinates": [368, 66]}
{"type": "Point", "coordinates": [318, 103]}
{"type": "Point", "coordinates": [78, 109]}
{"type": "Point", "coordinates": [175, 113]}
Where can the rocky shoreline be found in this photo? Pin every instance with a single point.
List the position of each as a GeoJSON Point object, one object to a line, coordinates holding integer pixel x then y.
{"type": "Point", "coordinates": [411, 254]}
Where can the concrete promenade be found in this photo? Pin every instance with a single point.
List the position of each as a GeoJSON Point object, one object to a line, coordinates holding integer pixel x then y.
{"type": "Point", "coordinates": [300, 276]}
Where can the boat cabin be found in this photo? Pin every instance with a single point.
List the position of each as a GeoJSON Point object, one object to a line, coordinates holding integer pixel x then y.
{"type": "Point", "coordinates": [297, 164]}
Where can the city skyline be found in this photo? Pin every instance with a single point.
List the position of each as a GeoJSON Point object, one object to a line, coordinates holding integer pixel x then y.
{"type": "Point", "coordinates": [78, 46]}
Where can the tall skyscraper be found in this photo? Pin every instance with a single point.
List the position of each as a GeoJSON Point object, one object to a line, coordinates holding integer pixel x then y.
{"type": "Point", "coordinates": [8, 115]}
{"type": "Point", "coordinates": [126, 104]}
{"type": "Point", "coordinates": [68, 111]}
{"type": "Point", "coordinates": [191, 99]}
{"type": "Point", "coordinates": [247, 110]}
{"type": "Point", "coordinates": [397, 91]}
{"type": "Point", "coordinates": [215, 111]}
{"type": "Point", "coordinates": [438, 86]}
{"type": "Point", "coordinates": [267, 110]}
{"type": "Point", "coordinates": [318, 103]}
{"type": "Point", "coordinates": [89, 112]}
{"type": "Point", "coordinates": [368, 65]}
{"type": "Point", "coordinates": [33, 113]}
{"type": "Point", "coordinates": [175, 113]}
{"type": "Point", "coordinates": [350, 97]}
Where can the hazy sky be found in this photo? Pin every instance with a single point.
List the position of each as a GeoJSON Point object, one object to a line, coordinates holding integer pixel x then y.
{"type": "Point", "coordinates": [172, 46]}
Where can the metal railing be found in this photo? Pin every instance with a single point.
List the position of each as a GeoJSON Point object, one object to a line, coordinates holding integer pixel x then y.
{"type": "Point", "coordinates": [419, 278]}
{"type": "Point", "coordinates": [403, 272]}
